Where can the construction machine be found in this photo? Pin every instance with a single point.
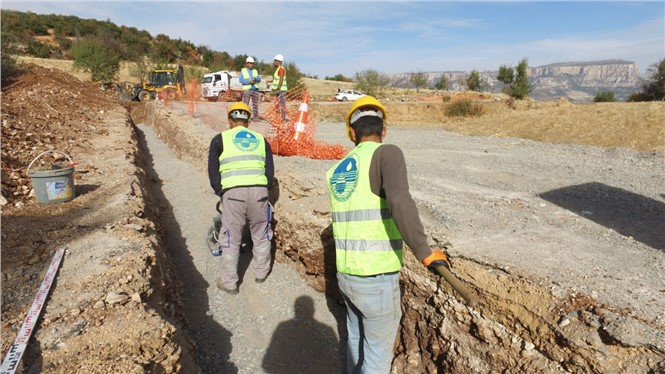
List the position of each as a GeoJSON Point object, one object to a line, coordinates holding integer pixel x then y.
{"type": "Point", "coordinates": [160, 81]}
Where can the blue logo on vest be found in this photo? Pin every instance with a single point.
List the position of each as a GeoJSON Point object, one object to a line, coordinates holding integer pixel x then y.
{"type": "Point", "coordinates": [245, 141]}
{"type": "Point", "coordinates": [344, 179]}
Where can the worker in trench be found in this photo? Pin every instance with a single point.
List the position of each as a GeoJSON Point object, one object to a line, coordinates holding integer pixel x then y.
{"type": "Point", "coordinates": [241, 171]}
{"type": "Point", "coordinates": [373, 215]}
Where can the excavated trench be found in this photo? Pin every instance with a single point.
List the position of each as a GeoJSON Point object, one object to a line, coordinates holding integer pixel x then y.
{"type": "Point", "coordinates": [520, 325]}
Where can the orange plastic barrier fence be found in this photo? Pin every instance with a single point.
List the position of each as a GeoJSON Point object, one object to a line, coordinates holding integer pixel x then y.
{"type": "Point", "coordinates": [291, 135]}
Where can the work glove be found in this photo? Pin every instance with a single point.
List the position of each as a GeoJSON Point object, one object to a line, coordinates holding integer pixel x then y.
{"type": "Point", "coordinates": [437, 258]}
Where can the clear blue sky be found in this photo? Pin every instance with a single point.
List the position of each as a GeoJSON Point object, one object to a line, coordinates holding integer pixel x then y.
{"type": "Point", "coordinates": [345, 37]}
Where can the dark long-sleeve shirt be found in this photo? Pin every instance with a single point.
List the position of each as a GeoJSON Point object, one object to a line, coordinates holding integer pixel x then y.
{"type": "Point", "coordinates": [388, 179]}
{"type": "Point", "coordinates": [216, 148]}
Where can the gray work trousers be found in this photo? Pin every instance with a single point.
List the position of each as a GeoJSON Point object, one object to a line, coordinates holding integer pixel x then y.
{"type": "Point", "coordinates": [255, 97]}
{"type": "Point", "coordinates": [240, 205]}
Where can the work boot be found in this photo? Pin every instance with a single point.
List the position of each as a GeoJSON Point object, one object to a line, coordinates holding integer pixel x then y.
{"type": "Point", "coordinates": [233, 291]}
{"type": "Point", "coordinates": [260, 280]}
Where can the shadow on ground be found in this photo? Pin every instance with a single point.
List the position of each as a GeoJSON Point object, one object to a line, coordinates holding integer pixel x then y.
{"type": "Point", "coordinates": [625, 212]}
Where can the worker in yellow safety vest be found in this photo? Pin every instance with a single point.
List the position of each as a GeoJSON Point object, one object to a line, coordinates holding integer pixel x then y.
{"type": "Point", "coordinates": [241, 170]}
{"type": "Point", "coordinates": [249, 78]}
{"type": "Point", "coordinates": [372, 213]}
{"type": "Point", "coordinates": [279, 86]}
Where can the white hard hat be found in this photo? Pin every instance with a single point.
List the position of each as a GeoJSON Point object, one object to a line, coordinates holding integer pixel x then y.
{"type": "Point", "coordinates": [279, 58]}
{"type": "Point", "coordinates": [250, 59]}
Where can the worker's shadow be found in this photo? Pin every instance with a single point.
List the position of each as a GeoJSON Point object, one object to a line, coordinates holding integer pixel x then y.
{"type": "Point", "coordinates": [333, 295]}
{"type": "Point", "coordinates": [302, 344]}
{"type": "Point", "coordinates": [246, 247]}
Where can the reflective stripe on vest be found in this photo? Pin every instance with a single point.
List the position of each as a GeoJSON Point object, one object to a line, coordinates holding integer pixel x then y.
{"type": "Point", "coordinates": [367, 241]}
{"type": "Point", "coordinates": [246, 75]}
{"type": "Point", "coordinates": [275, 80]}
{"type": "Point", "coordinates": [243, 158]}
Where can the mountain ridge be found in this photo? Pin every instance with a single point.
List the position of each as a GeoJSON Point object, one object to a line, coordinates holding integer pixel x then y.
{"type": "Point", "coordinates": [576, 81]}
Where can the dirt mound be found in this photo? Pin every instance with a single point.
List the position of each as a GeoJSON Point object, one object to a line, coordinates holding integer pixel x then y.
{"type": "Point", "coordinates": [113, 306]}
{"type": "Point", "coordinates": [46, 109]}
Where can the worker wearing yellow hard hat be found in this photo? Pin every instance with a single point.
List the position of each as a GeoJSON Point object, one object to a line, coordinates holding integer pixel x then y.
{"type": "Point", "coordinates": [373, 213]}
{"type": "Point", "coordinates": [241, 170]}
{"type": "Point", "coordinates": [365, 106]}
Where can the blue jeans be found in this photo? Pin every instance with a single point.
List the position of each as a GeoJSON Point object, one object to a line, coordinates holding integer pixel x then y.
{"type": "Point", "coordinates": [372, 318]}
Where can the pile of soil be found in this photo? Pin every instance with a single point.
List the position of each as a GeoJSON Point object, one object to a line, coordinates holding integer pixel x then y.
{"type": "Point", "coordinates": [113, 296]}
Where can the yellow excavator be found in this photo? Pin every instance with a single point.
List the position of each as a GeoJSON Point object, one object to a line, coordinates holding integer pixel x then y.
{"type": "Point", "coordinates": [167, 81]}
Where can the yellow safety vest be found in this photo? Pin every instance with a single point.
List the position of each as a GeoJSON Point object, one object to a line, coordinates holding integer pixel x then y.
{"type": "Point", "coordinates": [275, 79]}
{"type": "Point", "coordinates": [367, 241]}
{"type": "Point", "coordinates": [247, 76]}
{"type": "Point", "coordinates": [243, 158]}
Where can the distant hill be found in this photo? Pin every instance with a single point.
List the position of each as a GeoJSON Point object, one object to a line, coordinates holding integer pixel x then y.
{"type": "Point", "coordinates": [575, 81]}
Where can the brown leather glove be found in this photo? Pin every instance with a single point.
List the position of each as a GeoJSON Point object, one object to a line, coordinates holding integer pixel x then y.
{"type": "Point", "coordinates": [437, 258]}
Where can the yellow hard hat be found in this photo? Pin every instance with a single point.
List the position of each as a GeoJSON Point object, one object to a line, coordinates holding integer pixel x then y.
{"type": "Point", "coordinates": [365, 106]}
{"type": "Point", "coordinates": [236, 111]}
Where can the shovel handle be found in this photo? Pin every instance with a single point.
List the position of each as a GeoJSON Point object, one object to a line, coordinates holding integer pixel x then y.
{"type": "Point", "coordinates": [457, 285]}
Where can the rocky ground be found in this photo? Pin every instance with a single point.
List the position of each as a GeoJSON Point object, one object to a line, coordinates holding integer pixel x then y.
{"type": "Point", "coordinates": [563, 244]}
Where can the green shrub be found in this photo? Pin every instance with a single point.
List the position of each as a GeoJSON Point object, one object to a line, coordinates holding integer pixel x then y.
{"type": "Point", "coordinates": [464, 108]}
{"type": "Point", "coordinates": [8, 68]}
{"type": "Point", "coordinates": [474, 82]}
{"type": "Point", "coordinates": [604, 97]}
{"type": "Point", "coordinates": [446, 98]}
{"type": "Point", "coordinates": [95, 57]}
{"type": "Point", "coordinates": [39, 49]}
{"type": "Point", "coordinates": [637, 97]}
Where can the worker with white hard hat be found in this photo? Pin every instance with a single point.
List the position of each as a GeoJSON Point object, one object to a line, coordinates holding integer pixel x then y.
{"type": "Point", "coordinates": [249, 77]}
{"type": "Point", "coordinates": [279, 86]}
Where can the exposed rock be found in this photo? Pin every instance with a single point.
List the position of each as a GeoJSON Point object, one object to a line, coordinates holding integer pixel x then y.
{"type": "Point", "coordinates": [576, 81]}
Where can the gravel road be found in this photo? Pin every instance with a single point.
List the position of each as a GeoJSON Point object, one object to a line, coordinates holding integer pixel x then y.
{"type": "Point", "coordinates": [254, 331]}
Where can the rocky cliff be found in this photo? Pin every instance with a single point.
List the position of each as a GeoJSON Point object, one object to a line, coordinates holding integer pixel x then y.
{"type": "Point", "coordinates": [576, 81]}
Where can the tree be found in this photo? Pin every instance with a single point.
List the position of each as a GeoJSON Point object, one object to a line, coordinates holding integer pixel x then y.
{"type": "Point", "coordinates": [654, 88]}
{"type": "Point", "coordinates": [371, 81]}
{"type": "Point", "coordinates": [517, 84]}
{"type": "Point", "coordinates": [419, 80]}
{"type": "Point", "coordinates": [506, 74]}
{"type": "Point", "coordinates": [293, 75]}
{"type": "Point", "coordinates": [521, 87]}
{"type": "Point", "coordinates": [474, 82]}
{"type": "Point", "coordinates": [442, 84]}
{"type": "Point", "coordinates": [96, 58]}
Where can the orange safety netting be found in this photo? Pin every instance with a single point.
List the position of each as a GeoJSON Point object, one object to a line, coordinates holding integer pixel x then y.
{"type": "Point", "coordinates": [295, 135]}
{"type": "Point", "coordinates": [292, 136]}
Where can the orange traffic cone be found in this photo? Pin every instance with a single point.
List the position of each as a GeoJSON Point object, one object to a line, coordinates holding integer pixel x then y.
{"type": "Point", "coordinates": [301, 119]}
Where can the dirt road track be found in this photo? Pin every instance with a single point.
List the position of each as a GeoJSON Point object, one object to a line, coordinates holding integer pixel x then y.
{"type": "Point", "coordinates": [280, 326]}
